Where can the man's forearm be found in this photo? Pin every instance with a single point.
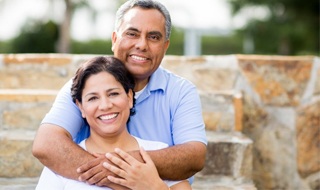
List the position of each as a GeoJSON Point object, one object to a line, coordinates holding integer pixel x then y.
{"type": "Point", "coordinates": [54, 147]}
{"type": "Point", "coordinates": [180, 161]}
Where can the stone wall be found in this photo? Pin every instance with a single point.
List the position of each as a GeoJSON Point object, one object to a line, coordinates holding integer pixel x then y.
{"type": "Point", "coordinates": [274, 100]}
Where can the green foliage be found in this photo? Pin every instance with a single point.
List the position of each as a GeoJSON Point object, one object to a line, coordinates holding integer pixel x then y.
{"type": "Point", "coordinates": [291, 29]}
{"type": "Point", "coordinates": [221, 45]}
{"type": "Point", "coordinates": [5, 46]}
{"type": "Point", "coordinates": [92, 47]}
{"type": "Point", "coordinates": [176, 42]}
{"type": "Point", "coordinates": [36, 37]}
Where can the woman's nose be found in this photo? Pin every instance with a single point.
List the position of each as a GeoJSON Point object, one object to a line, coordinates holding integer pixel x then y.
{"type": "Point", "coordinates": [105, 104]}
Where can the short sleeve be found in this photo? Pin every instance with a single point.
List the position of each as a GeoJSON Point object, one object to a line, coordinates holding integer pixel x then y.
{"type": "Point", "coordinates": [64, 112]}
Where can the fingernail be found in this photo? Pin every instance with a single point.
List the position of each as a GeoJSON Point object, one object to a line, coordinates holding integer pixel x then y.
{"type": "Point", "coordinates": [117, 150]}
{"type": "Point", "coordinates": [105, 164]}
{"type": "Point", "coordinates": [108, 155]}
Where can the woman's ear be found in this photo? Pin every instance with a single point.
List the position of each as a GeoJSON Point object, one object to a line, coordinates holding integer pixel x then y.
{"type": "Point", "coordinates": [81, 109]}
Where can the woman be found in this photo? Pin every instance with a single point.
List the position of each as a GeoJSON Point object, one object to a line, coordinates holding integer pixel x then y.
{"type": "Point", "coordinates": [103, 90]}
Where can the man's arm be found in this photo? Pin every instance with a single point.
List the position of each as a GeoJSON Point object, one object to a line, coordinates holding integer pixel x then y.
{"type": "Point", "coordinates": [177, 162]}
{"type": "Point", "coordinates": [185, 160]}
{"type": "Point", "coordinates": [54, 147]}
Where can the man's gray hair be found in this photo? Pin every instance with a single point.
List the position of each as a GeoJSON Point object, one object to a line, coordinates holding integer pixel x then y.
{"type": "Point", "coordinates": [144, 4]}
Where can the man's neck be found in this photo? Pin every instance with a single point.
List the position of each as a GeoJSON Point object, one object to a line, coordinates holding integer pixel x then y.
{"type": "Point", "coordinates": [140, 84]}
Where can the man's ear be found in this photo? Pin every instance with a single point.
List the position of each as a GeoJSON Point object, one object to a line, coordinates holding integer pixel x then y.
{"type": "Point", "coordinates": [81, 108]}
{"type": "Point", "coordinates": [166, 45]}
{"type": "Point", "coordinates": [113, 40]}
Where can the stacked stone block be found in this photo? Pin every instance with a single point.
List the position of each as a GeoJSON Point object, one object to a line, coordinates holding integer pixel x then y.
{"type": "Point", "coordinates": [273, 100]}
{"type": "Point", "coordinates": [21, 112]}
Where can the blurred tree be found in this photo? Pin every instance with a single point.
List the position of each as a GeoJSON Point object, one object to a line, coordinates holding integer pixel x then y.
{"type": "Point", "coordinates": [64, 40]}
{"type": "Point", "coordinates": [36, 37]}
{"type": "Point", "coordinates": [176, 42]}
{"type": "Point", "coordinates": [292, 27]}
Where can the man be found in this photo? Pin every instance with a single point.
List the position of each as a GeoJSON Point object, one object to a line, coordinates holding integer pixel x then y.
{"type": "Point", "coordinates": [168, 108]}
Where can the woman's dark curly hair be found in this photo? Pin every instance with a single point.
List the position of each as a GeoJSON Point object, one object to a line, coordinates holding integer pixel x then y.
{"type": "Point", "coordinates": [96, 65]}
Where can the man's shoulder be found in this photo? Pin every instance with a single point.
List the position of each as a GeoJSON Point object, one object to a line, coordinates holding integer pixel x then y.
{"type": "Point", "coordinates": [172, 77]}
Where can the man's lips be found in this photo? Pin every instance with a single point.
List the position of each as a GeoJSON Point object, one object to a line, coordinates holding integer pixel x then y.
{"type": "Point", "coordinates": [138, 58]}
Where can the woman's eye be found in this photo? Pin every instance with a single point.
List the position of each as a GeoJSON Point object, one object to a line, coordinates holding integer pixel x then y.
{"type": "Point", "coordinates": [114, 94]}
{"type": "Point", "coordinates": [92, 99]}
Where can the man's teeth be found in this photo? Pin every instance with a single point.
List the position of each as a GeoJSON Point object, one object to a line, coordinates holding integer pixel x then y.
{"type": "Point", "coordinates": [138, 58]}
{"type": "Point", "coordinates": [106, 117]}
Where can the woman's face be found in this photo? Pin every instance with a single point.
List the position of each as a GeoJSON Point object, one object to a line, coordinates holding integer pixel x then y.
{"type": "Point", "coordinates": [105, 104]}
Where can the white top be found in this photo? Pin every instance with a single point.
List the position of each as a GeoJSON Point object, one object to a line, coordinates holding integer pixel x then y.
{"type": "Point", "coordinates": [52, 181]}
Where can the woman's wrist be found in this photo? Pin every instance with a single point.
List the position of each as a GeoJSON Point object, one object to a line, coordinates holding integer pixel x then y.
{"type": "Point", "coordinates": [163, 186]}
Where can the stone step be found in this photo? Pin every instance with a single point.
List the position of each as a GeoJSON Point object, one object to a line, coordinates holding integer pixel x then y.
{"type": "Point", "coordinates": [222, 110]}
{"type": "Point", "coordinates": [35, 71]}
{"type": "Point", "coordinates": [16, 159]}
{"type": "Point", "coordinates": [24, 108]}
{"type": "Point", "coordinates": [228, 163]}
{"type": "Point", "coordinates": [228, 155]}
{"type": "Point", "coordinates": [214, 182]}
{"type": "Point", "coordinates": [199, 184]}
{"type": "Point", "coordinates": [23, 183]}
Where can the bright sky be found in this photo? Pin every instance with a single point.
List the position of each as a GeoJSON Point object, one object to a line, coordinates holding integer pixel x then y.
{"type": "Point", "coordinates": [184, 13]}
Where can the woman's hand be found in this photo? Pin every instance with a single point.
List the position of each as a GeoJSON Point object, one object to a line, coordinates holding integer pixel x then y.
{"type": "Point", "coordinates": [132, 173]}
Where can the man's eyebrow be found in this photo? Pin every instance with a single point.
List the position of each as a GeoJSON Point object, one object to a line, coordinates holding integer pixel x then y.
{"type": "Point", "coordinates": [156, 33]}
{"type": "Point", "coordinates": [133, 29]}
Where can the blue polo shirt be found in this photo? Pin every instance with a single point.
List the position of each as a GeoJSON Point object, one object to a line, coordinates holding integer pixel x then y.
{"type": "Point", "coordinates": [168, 110]}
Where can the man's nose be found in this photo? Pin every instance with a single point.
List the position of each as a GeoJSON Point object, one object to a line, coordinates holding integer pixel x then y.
{"type": "Point", "coordinates": [142, 44]}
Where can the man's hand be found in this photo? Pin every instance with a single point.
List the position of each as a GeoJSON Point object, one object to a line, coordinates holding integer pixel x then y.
{"type": "Point", "coordinates": [95, 174]}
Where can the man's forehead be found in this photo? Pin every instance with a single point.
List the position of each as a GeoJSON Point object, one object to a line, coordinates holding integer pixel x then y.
{"type": "Point", "coordinates": [135, 18]}
{"type": "Point", "coordinates": [136, 11]}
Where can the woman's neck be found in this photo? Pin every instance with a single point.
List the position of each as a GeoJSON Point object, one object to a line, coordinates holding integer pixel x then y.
{"type": "Point", "coordinates": [102, 144]}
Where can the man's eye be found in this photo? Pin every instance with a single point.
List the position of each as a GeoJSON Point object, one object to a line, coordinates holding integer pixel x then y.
{"type": "Point", "coordinates": [131, 34]}
{"type": "Point", "coordinates": [154, 37]}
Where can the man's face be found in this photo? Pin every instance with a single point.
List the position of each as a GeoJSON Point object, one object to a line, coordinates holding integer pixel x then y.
{"type": "Point", "coordinates": [140, 41]}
